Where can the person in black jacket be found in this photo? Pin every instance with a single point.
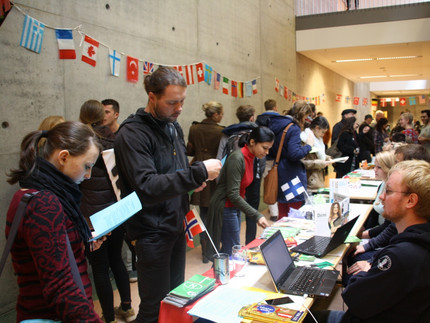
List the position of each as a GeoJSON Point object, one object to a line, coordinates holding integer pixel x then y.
{"type": "Point", "coordinates": [395, 288]}
{"type": "Point", "coordinates": [349, 146]}
{"type": "Point", "coordinates": [97, 194]}
{"type": "Point", "coordinates": [151, 159]}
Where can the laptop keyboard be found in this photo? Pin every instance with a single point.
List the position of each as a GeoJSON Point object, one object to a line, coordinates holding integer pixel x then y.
{"type": "Point", "coordinates": [305, 280]}
{"type": "Point", "coordinates": [319, 245]}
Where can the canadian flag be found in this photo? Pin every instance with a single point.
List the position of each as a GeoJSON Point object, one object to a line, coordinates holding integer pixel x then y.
{"type": "Point", "coordinates": [338, 97]}
{"type": "Point", "coordinates": [89, 51]}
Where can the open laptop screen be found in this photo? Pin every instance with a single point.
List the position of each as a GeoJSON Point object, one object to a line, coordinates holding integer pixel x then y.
{"type": "Point", "coordinates": [277, 256]}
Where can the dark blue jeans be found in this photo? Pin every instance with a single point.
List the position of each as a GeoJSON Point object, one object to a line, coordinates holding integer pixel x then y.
{"type": "Point", "coordinates": [160, 268]}
{"type": "Point", "coordinates": [230, 235]}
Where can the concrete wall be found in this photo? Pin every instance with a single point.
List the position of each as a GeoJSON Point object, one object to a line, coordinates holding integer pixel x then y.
{"type": "Point", "coordinates": [241, 39]}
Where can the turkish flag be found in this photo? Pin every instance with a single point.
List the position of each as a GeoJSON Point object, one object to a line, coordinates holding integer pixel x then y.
{"type": "Point", "coordinates": [132, 69]}
{"type": "Point", "coordinates": [402, 101]}
{"type": "Point", "coordinates": [200, 72]}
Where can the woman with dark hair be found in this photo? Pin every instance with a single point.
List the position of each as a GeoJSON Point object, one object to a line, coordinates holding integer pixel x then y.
{"type": "Point", "coordinates": [203, 142]}
{"type": "Point", "coordinates": [349, 146]}
{"type": "Point", "coordinates": [52, 218]}
{"type": "Point", "coordinates": [315, 162]}
{"type": "Point", "coordinates": [97, 195]}
{"type": "Point", "coordinates": [365, 141]}
{"type": "Point", "coordinates": [228, 199]}
{"type": "Point", "coordinates": [380, 135]}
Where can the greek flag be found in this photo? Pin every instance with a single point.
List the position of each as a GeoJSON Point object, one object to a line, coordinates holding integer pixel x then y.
{"type": "Point", "coordinates": [32, 34]}
{"type": "Point", "coordinates": [293, 188]}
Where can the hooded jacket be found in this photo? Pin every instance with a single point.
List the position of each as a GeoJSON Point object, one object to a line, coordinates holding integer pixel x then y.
{"type": "Point", "coordinates": [290, 165]}
{"type": "Point", "coordinates": [396, 287]}
{"type": "Point", "coordinates": [151, 160]}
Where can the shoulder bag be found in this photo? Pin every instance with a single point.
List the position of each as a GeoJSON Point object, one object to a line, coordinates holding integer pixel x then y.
{"type": "Point", "coordinates": [333, 151]}
{"type": "Point", "coordinates": [271, 180]}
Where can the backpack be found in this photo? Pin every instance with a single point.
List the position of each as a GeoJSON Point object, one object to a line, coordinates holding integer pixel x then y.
{"type": "Point", "coordinates": [232, 143]}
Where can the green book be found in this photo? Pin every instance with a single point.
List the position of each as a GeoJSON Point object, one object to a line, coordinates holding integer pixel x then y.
{"type": "Point", "coordinates": [193, 287]}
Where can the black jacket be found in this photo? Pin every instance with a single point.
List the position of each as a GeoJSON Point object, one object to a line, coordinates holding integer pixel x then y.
{"type": "Point", "coordinates": [97, 192]}
{"type": "Point", "coordinates": [395, 289]}
{"type": "Point", "coordinates": [151, 160]}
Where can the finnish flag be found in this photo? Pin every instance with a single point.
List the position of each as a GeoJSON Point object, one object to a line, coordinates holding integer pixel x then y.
{"type": "Point", "coordinates": [293, 188]}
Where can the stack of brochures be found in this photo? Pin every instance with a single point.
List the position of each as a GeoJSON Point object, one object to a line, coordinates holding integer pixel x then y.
{"type": "Point", "coordinates": [191, 290]}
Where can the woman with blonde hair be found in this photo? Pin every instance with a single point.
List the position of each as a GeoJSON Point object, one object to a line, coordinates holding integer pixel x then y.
{"type": "Point", "coordinates": [203, 142]}
{"type": "Point", "coordinates": [47, 124]}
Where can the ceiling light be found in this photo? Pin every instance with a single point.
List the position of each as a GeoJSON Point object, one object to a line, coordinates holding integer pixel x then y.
{"type": "Point", "coordinates": [372, 77]}
{"type": "Point", "coordinates": [353, 60]}
{"type": "Point", "coordinates": [373, 59]}
{"type": "Point", "coordinates": [405, 75]}
{"type": "Point", "coordinates": [396, 57]}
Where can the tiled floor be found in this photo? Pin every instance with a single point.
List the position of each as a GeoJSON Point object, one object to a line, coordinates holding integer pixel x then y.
{"type": "Point", "coordinates": [194, 265]}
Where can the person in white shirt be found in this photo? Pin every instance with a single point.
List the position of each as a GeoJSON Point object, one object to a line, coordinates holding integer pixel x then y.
{"type": "Point", "coordinates": [316, 160]}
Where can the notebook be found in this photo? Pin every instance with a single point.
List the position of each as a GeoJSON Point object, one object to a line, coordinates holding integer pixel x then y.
{"type": "Point", "coordinates": [290, 279]}
{"type": "Point", "coordinates": [319, 246]}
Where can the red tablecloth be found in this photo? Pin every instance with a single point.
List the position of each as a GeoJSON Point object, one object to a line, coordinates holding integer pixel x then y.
{"type": "Point", "coordinates": [172, 314]}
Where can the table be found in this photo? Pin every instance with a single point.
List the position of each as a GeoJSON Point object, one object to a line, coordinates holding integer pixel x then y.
{"type": "Point", "coordinates": [259, 279]}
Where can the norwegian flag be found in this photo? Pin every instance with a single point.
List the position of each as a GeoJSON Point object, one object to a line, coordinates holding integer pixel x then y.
{"type": "Point", "coordinates": [148, 67]}
{"type": "Point", "coordinates": [193, 225]}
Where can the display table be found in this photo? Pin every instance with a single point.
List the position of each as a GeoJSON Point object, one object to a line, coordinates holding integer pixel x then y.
{"type": "Point", "coordinates": [258, 279]}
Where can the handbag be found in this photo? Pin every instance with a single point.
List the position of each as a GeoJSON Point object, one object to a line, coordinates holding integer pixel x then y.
{"type": "Point", "coordinates": [14, 230]}
{"type": "Point", "coordinates": [270, 192]}
{"type": "Point", "coordinates": [333, 151]}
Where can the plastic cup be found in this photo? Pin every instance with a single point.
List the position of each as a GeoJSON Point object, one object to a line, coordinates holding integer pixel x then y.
{"type": "Point", "coordinates": [240, 259]}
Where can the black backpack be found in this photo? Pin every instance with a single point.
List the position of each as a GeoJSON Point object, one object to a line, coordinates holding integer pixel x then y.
{"type": "Point", "coordinates": [232, 143]}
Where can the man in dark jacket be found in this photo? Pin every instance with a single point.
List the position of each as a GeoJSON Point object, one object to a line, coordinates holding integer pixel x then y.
{"type": "Point", "coordinates": [347, 113]}
{"type": "Point", "coordinates": [395, 288]}
{"type": "Point", "coordinates": [151, 160]}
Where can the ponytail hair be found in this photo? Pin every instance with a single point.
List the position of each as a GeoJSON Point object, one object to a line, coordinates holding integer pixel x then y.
{"type": "Point", "coordinates": [73, 136]}
{"type": "Point", "coordinates": [258, 134]}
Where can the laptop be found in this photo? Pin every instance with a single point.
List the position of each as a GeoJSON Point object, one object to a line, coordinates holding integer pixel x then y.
{"type": "Point", "coordinates": [290, 279]}
{"type": "Point", "coordinates": [319, 246]}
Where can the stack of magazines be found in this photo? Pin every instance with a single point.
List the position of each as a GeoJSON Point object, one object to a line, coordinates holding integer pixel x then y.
{"type": "Point", "coordinates": [189, 291]}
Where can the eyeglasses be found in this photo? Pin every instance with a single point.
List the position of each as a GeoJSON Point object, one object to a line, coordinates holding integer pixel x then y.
{"type": "Point", "coordinates": [388, 192]}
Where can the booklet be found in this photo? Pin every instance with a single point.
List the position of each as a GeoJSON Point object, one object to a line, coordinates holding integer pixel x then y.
{"type": "Point", "coordinates": [114, 215]}
{"type": "Point", "coordinates": [190, 290]}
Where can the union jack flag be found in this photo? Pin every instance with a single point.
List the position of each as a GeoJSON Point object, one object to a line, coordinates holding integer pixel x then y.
{"type": "Point", "coordinates": [193, 225]}
{"type": "Point", "coordinates": [148, 67]}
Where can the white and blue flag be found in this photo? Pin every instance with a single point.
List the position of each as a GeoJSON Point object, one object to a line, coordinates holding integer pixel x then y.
{"type": "Point", "coordinates": [32, 34]}
{"type": "Point", "coordinates": [293, 188]}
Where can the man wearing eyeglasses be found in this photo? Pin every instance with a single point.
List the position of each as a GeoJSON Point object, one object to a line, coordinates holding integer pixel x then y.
{"type": "Point", "coordinates": [395, 288]}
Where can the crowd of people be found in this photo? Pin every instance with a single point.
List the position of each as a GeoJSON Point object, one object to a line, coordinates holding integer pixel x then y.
{"type": "Point", "coordinates": [220, 170]}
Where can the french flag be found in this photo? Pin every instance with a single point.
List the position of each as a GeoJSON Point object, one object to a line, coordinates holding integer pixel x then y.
{"type": "Point", "coordinates": [66, 46]}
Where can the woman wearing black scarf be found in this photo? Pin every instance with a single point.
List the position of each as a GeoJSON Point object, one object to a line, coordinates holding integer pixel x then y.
{"type": "Point", "coordinates": [47, 289]}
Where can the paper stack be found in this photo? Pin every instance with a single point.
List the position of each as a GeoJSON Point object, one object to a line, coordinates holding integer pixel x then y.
{"type": "Point", "coordinates": [189, 291]}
